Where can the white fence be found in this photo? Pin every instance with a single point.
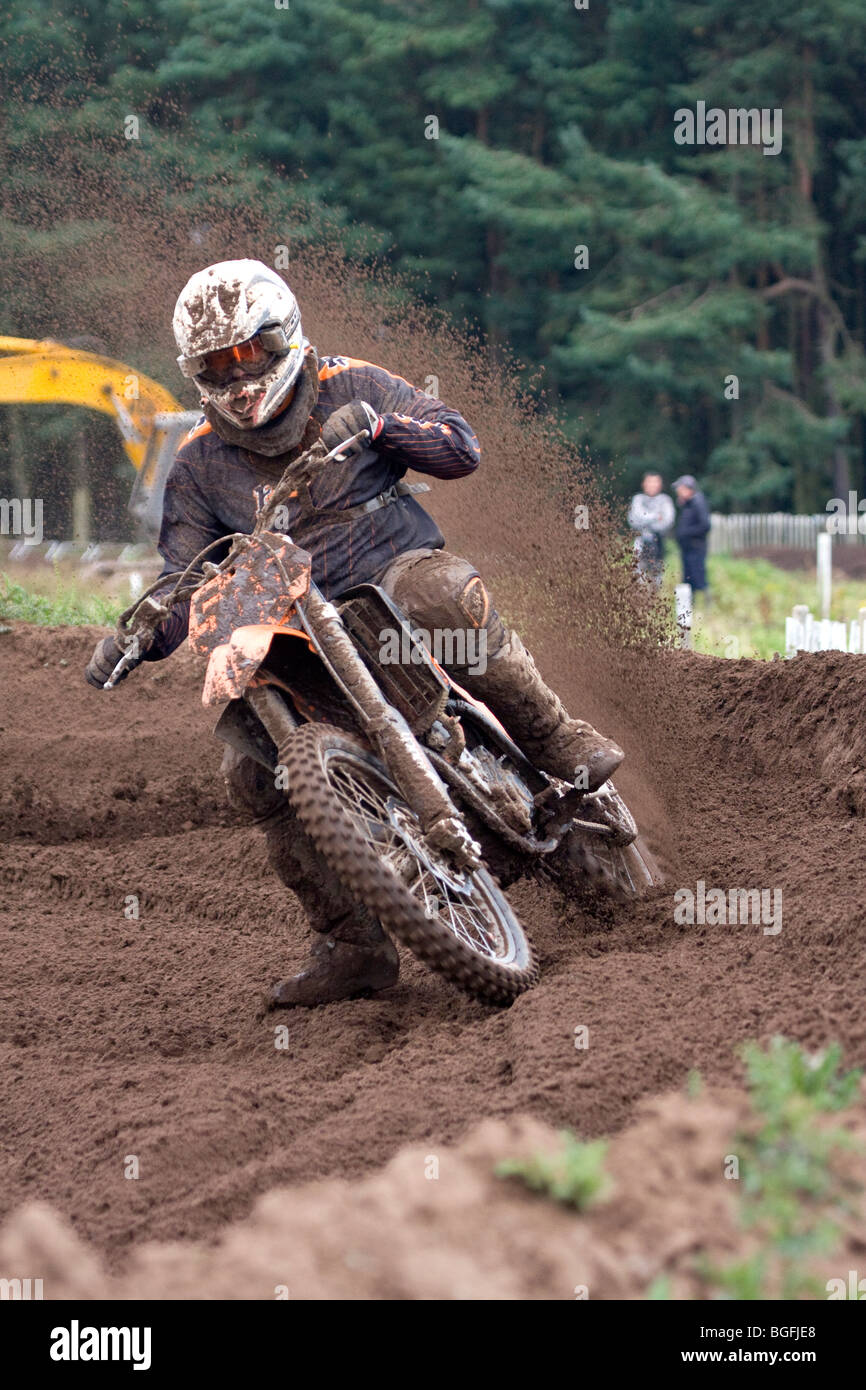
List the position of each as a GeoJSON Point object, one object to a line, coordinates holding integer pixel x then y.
{"type": "Point", "coordinates": [757, 530]}
{"type": "Point", "coordinates": [805, 633]}
{"type": "Point", "coordinates": [139, 563]}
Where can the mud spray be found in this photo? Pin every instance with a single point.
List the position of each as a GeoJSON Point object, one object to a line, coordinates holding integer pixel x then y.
{"type": "Point", "coordinates": [138, 1035]}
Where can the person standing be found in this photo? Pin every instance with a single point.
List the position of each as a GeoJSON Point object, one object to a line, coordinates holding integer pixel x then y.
{"type": "Point", "coordinates": [651, 515]}
{"type": "Point", "coordinates": [692, 529]}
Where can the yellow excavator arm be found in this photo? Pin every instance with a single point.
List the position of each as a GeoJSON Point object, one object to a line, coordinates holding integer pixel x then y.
{"type": "Point", "coordinates": [151, 422]}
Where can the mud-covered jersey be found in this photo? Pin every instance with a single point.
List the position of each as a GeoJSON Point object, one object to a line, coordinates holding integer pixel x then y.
{"type": "Point", "coordinates": [215, 488]}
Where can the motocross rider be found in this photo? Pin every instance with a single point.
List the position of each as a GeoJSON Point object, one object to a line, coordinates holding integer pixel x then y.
{"type": "Point", "coordinates": [267, 396]}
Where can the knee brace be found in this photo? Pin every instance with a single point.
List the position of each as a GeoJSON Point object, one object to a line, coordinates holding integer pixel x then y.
{"type": "Point", "coordinates": [444, 593]}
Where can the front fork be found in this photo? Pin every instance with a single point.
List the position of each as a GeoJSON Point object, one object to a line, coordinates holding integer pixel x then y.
{"type": "Point", "coordinates": [420, 784]}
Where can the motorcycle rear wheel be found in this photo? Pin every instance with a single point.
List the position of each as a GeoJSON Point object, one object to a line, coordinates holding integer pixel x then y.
{"type": "Point", "coordinates": [623, 872]}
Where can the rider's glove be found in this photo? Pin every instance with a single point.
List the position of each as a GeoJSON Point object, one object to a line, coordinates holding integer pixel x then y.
{"type": "Point", "coordinates": [103, 662]}
{"type": "Point", "coordinates": [350, 419]}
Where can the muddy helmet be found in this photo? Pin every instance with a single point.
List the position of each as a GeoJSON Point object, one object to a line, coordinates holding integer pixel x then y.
{"type": "Point", "coordinates": [238, 329]}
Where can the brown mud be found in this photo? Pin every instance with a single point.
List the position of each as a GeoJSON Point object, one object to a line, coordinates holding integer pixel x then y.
{"type": "Point", "coordinates": [123, 1036]}
{"type": "Point", "coordinates": [437, 1222]}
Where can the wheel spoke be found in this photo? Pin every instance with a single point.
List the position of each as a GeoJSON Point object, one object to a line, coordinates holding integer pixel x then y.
{"type": "Point", "coordinates": [365, 796]}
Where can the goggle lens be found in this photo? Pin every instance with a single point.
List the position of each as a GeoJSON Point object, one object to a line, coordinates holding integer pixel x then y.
{"type": "Point", "coordinates": [252, 357]}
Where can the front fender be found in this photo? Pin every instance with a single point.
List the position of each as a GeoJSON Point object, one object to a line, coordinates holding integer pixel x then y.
{"type": "Point", "coordinates": [234, 665]}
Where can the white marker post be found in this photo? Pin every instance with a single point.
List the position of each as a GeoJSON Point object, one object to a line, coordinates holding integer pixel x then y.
{"type": "Point", "coordinates": [795, 631]}
{"type": "Point", "coordinates": [825, 571]}
{"type": "Point", "coordinates": [683, 595]}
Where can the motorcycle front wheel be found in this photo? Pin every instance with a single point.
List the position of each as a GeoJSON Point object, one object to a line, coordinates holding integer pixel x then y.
{"type": "Point", "coordinates": [457, 922]}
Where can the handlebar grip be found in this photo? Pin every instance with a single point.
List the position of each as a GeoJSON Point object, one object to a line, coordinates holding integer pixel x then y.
{"type": "Point", "coordinates": [338, 452]}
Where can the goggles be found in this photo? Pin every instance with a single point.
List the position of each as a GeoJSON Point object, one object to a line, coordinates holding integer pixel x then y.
{"type": "Point", "coordinates": [253, 357]}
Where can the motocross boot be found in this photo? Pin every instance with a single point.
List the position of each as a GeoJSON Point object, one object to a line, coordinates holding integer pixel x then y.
{"type": "Point", "coordinates": [355, 957]}
{"type": "Point", "coordinates": [351, 955]}
{"type": "Point", "coordinates": [537, 719]}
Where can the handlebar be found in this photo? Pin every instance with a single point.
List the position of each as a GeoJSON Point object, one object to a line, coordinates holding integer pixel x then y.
{"type": "Point", "coordinates": [197, 569]}
{"type": "Point", "coordinates": [338, 452]}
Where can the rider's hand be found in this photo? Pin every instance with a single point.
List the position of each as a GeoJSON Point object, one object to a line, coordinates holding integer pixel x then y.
{"type": "Point", "coordinates": [348, 420]}
{"type": "Point", "coordinates": [103, 662]}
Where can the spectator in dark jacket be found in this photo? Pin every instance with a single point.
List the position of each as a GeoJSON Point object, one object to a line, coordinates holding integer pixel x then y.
{"type": "Point", "coordinates": [692, 529]}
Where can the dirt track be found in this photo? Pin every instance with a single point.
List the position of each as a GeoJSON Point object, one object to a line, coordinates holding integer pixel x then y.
{"type": "Point", "coordinates": [141, 1037]}
{"type": "Point", "coordinates": [124, 1037]}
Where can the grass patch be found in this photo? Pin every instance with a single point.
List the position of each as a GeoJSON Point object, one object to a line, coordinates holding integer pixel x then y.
{"type": "Point", "coordinates": [574, 1175]}
{"type": "Point", "coordinates": [67, 603]}
{"type": "Point", "coordinates": [750, 600]}
{"type": "Point", "coordinates": [792, 1192]}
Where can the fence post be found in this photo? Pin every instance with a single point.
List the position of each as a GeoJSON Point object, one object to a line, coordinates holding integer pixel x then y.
{"type": "Point", "coordinates": [792, 634]}
{"type": "Point", "coordinates": [799, 638]}
{"type": "Point", "coordinates": [683, 595]}
{"type": "Point", "coordinates": [825, 571]}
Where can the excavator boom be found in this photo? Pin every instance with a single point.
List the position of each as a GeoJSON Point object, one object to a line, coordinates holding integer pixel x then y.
{"type": "Point", "coordinates": [152, 424]}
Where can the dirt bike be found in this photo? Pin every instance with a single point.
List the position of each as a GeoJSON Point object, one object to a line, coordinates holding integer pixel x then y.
{"type": "Point", "coordinates": [413, 791]}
